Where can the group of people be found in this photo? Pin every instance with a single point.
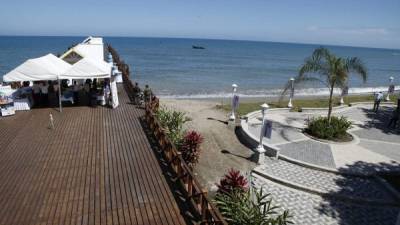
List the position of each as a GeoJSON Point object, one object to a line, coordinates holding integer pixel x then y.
{"type": "Point", "coordinates": [46, 93]}
{"type": "Point", "coordinates": [139, 96]}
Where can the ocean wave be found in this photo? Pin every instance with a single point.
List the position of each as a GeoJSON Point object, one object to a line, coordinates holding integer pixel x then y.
{"type": "Point", "coordinates": [276, 93]}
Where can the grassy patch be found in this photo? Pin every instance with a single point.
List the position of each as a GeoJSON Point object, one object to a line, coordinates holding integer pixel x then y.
{"type": "Point", "coordinates": [246, 107]}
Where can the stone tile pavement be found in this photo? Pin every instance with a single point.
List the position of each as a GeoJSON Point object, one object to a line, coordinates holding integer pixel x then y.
{"type": "Point", "coordinates": [331, 183]}
{"type": "Point", "coordinates": [309, 151]}
{"type": "Point", "coordinates": [310, 209]}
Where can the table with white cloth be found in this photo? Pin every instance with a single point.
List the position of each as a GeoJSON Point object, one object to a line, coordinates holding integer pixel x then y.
{"type": "Point", "coordinates": [101, 99]}
{"type": "Point", "coordinates": [22, 104]}
{"type": "Point", "coordinates": [67, 99]}
{"type": "Point", "coordinates": [6, 107]}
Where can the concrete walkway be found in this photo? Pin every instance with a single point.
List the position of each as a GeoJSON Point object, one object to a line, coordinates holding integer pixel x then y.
{"type": "Point", "coordinates": [373, 146]}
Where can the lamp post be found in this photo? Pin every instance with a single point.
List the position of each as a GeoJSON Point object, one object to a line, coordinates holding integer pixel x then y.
{"type": "Point", "coordinates": [341, 100]}
{"type": "Point", "coordinates": [260, 148]}
{"type": "Point", "coordinates": [234, 88]}
{"type": "Point", "coordinates": [290, 105]}
{"type": "Point", "coordinates": [390, 84]}
{"type": "Point", "coordinates": [342, 96]}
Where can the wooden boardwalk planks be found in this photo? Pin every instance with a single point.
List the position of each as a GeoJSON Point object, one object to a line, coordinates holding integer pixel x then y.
{"type": "Point", "coordinates": [95, 167]}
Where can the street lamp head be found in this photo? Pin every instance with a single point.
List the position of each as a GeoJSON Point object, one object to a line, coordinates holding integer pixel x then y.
{"type": "Point", "coordinates": [234, 87]}
{"type": "Point", "coordinates": [391, 78]}
{"type": "Point", "coordinates": [292, 79]}
{"type": "Point", "coordinates": [264, 106]}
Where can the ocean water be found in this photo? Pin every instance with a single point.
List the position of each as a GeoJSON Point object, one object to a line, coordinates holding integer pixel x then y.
{"type": "Point", "coordinates": [173, 69]}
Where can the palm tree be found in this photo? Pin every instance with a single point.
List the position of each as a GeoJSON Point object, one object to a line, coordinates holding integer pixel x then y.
{"type": "Point", "coordinates": [332, 71]}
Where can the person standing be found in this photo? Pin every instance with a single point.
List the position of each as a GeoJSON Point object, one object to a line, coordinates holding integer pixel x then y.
{"type": "Point", "coordinates": [378, 99]}
{"type": "Point", "coordinates": [147, 94]}
{"type": "Point", "coordinates": [44, 89]}
{"type": "Point", "coordinates": [107, 92]}
{"type": "Point", "coordinates": [36, 93]}
{"type": "Point", "coordinates": [76, 92]}
{"type": "Point", "coordinates": [136, 94]}
{"type": "Point", "coordinates": [395, 117]}
{"type": "Point", "coordinates": [52, 97]}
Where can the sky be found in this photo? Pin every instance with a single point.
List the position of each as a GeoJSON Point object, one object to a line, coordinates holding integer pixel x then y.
{"type": "Point", "coordinates": [367, 23]}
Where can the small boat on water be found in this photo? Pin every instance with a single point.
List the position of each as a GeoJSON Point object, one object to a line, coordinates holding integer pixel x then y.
{"type": "Point", "coordinates": [197, 47]}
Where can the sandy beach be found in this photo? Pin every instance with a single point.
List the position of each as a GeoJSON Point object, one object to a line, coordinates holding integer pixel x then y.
{"type": "Point", "coordinates": [221, 149]}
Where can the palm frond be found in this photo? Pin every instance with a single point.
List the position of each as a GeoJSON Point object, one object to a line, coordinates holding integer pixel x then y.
{"type": "Point", "coordinates": [311, 65]}
{"type": "Point", "coordinates": [355, 64]}
{"type": "Point", "coordinates": [321, 52]}
{"type": "Point", "coordinates": [298, 80]}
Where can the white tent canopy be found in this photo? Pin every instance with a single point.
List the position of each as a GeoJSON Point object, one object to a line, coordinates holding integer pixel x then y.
{"type": "Point", "coordinates": [87, 69]}
{"type": "Point", "coordinates": [48, 67]}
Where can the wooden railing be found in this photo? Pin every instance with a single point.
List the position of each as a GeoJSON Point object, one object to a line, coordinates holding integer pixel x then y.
{"type": "Point", "coordinates": [195, 194]}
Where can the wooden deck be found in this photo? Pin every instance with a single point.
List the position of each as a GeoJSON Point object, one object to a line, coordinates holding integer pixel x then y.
{"type": "Point", "coordinates": [95, 167]}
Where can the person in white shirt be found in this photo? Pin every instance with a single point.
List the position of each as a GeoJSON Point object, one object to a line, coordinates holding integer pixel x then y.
{"type": "Point", "coordinates": [44, 89]}
{"type": "Point", "coordinates": [76, 92]}
{"type": "Point", "coordinates": [56, 86]}
{"type": "Point", "coordinates": [377, 102]}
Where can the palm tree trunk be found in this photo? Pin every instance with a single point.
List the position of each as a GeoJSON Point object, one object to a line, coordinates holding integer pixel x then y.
{"type": "Point", "coordinates": [330, 104]}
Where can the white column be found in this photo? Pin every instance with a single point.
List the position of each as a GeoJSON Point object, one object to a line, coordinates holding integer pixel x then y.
{"type": "Point", "coordinates": [390, 83]}
{"type": "Point", "coordinates": [290, 105]}
{"type": "Point", "coordinates": [232, 116]}
{"type": "Point", "coordinates": [260, 148]}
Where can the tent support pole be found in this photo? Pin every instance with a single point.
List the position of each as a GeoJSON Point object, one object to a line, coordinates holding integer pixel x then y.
{"type": "Point", "coordinates": [59, 95]}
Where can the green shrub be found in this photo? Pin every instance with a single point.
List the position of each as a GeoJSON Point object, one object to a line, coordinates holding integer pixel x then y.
{"type": "Point", "coordinates": [172, 121]}
{"type": "Point", "coordinates": [241, 208]}
{"type": "Point", "coordinates": [336, 130]}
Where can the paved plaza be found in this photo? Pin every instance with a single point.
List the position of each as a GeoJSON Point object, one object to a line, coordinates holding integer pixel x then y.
{"type": "Point", "coordinates": [373, 142]}
{"type": "Point", "coordinates": [331, 183]}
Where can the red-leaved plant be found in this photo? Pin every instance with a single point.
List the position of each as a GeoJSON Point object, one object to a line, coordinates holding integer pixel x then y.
{"type": "Point", "coordinates": [190, 148]}
{"type": "Point", "coordinates": [233, 180]}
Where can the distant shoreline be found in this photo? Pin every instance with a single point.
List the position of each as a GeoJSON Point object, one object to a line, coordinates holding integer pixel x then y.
{"type": "Point", "coordinates": [257, 99]}
{"type": "Point", "coordinates": [244, 98]}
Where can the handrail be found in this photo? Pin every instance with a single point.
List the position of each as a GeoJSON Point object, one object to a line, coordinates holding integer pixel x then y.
{"type": "Point", "coordinates": [195, 194]}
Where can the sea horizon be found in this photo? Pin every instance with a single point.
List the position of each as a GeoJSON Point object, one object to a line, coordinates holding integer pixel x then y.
{"type": "Point", "coordinates": [200, 38]}
{"type": "Point", "coordinates": [174, 70]}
